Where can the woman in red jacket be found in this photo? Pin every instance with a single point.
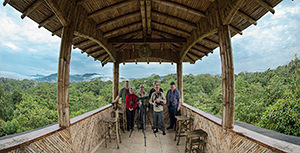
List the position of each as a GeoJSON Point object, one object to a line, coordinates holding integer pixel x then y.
{"type": "Point", "coordinates": [130, 102]}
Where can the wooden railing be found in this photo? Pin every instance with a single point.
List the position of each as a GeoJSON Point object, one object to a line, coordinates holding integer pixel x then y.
{"type": "Point", "coordinates": [86, 131]}
{"type": "Point", "coordinates": [83, 135]}
{"type": "Point", "coordinates": [238, 139]}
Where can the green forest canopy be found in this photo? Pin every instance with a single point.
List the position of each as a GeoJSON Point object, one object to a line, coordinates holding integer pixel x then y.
{"type": "Point", "coordinates": [269, 99]}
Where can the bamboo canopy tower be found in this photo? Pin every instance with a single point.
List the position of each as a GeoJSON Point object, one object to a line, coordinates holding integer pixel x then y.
{"type": "Point", "coordinates": [123, 31]}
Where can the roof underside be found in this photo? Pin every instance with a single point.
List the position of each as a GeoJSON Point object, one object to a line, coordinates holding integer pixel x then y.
{"type": "Point", "coordinates": [128, 24]}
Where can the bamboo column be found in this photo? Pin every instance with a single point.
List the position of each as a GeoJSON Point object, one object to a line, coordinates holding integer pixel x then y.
{"type": "Point", "coordinates": [227, 76]}
{"type": "Point", "coordinates": [63, 77]}
{"type": "Point", "coordinates": [115, 80]}
{"type": "Point", "coordinates": [180, 79]}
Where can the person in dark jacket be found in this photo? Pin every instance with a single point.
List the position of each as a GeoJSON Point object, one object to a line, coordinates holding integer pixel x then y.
{"type": "Point", "coordinates": [131, 103]}
{"type": "Point", "coordinates": [174, 103]}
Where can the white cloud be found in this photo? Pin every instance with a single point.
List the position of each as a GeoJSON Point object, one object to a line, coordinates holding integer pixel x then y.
{"type": "Point", "coordinates": [11, 45]}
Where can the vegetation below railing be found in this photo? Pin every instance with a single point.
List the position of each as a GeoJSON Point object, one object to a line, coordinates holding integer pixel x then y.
{"type": "Point", "coordinates": [268, 99]}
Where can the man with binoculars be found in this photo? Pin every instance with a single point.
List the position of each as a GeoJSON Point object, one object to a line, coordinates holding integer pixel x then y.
{"type": "Point", "coordinates": [158, 100]}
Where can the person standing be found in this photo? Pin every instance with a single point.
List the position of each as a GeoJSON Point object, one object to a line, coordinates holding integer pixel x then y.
{"type": "Point", "coordinates": [153, 89]}
{"type": "Point", "coordinates": [174, 104]}
{"type": "Point", "coordinates": [158, 100]}
{"type": "Point", "coordinates": [123, 92]}
{"type": "Point", "coordinates": [130, 102]}
{"type": "Point", "coordinates": [143, 104]}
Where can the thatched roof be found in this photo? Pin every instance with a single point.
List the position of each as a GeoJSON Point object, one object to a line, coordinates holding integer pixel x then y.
{"type": "Point", "coordinates": [172, 28]}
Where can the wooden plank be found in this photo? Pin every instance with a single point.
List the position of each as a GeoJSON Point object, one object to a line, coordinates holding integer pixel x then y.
{"type": "Point", "coordinates": [176, 30]}
{"type": "Point", "coordinates": [120, 29]}
{"type": "Point", "coordinates": [266, 5]}
{"type": "Point", "coordinates": [148, 16]}
{"type": "Point", "coordinates": [227, 9]}
{"type": "Point", "coordinates": [59, 9]}
{"type": "Point", "coordinates": [227, 76]}
{"type": "Point", "coordinates": [115, 80]}
{"type": "Point", "coordinates": [174, 18]}
{"type": "Point", "coordinates": [115, 6]}
{"type": "Point", "coordinates": [235, 29]}
{"type": "Point", "coordinates": [246, 17]}
{"type": "Point", "coordinates": [190, 58]}
{"type": "Point", "coordinates": [178, 40]}
{"type": "Point", "coordinates": [46, 21]}
{"type": "Point", "coordinates": [181, 7]}
{"type": "Point", "coordinates": [82, 43]}
{"type": "Point", "coordinates": [63, 77]}
{"type": "Point", "coordinates": [118, 19]}
{"type": "Point", "coordinates": [143, 15]}
{"type": "Point", "coordinates": [86, 28]}
{"type": "Point", "coordinates": [55, 31]}
{"type": "Point", "coordinates": [206, 27]}
{"type": "Point", "coordinates": [31, 8]}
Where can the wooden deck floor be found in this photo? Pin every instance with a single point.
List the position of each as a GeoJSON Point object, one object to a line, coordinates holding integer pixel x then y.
{"type": "Point", "coordinates": [135, 144]}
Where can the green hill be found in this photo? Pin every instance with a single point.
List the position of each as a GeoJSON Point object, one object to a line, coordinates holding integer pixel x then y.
{"type": "Point", "coordinates": [268, 99]}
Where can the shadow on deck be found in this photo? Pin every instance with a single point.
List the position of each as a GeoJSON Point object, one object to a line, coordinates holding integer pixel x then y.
{"type": "Point", "coordinates": [135, 144]}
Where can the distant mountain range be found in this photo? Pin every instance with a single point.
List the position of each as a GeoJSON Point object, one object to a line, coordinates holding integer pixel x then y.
{"type": "Point", "coordinates": [53, 77]}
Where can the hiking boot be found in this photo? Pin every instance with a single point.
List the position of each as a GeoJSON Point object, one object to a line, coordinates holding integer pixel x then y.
{"type": "Point", "coordinates": [156, 130]}
{"type": "Point", "coordinates": [164, 133]}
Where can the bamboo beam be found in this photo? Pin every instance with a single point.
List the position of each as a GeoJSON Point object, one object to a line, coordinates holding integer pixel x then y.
{"type": "Point", "coordinates": [180, 79]}
{"type": "Point", "coordinates": [166, 33]}
{"type": "Point", "coordinates": [129, 33]}
{"type": "Point", "coordinates": [55, 31]}
{"type": "Point", "coordinates": [194, 54]}
{"type": "Point", "coordinates": [227, 9]}
{"type": "Point", "coordinates": [82, 43]}
{"type": "Point", "coordinates": [246, 17]}
{"type": "Point", "coordinates": [115, 80]}
{"type": "Point", "coordinates": [118, 19]}
{"type": "Point", "coordinates": [227, 76]}
{"type": "Point", "coordinates": [86, 28]}
{"type": "Point", "coordinates": [120, 29]}
{"type": "Point", "coordinates": [174, 18]}
{"type": "Point", "coordinates": [222, 10]}
{"type": "Point", "coordinates": [99, 56]}
{"type": "Point", "coordinates": [91, 48]}
{"type": "Point", "coordinates": [105, 60]}
{"type": "Point", "coordinates": [91, 53]}
{"type": "Point", "coordinates": [176, 30]}
{"type": "Point", "coordinates": [266, 5]}
{"type": "Point", "coordinates": [60, 11]}
{"type": "Point", "coordinates": [143, 15]}
{"type": "Point", "coordinates": [148, 16]}
{"type": "Point", "coordinates": [31, 8]}
{"type": "Point", "coordinates": [211, 41]}
{"type": "Point", "coordinates": [46, 21]}
{"type": "Point", "coordinates": [63, 77]}
{"type": "Point", "coordinates": [178, 40]}
{"type": "Point", "coordinates": [6, 2]}
{"type": "Point", "coordinates": [181, 7]}
{"type": "Point", "coordinates": [190, 58]}
{"type": "Point", "coordinates": [201, 47]}
{"type": "Point", "coordinates": [235, 29]}
{"type": "Point", "coordinates": [124, 3]}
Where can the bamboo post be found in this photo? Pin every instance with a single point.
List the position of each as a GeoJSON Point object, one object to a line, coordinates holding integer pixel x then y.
{"type": "Point", "coordinates": [115, 80]}
{"type": "Point", "coordinates": [63, 77]}
{"type": "Point", "coordinates": [180, 79]}
{"type": "Point", "coordinates": [227, 76]}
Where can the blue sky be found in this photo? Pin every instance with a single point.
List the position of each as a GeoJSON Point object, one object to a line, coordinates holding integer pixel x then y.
{"type": "Point", "coordinates": [25, 49]}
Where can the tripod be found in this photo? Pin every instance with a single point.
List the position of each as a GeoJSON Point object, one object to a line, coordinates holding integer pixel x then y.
{"type": "Point", "coordinates": [142, 120]}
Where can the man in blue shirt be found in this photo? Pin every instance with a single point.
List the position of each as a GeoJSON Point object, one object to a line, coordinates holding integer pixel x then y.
{"type": "Point", "coordinates": [174, 103]}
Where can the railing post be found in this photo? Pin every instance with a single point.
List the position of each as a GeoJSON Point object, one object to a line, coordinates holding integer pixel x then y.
{"type": "Point", "coordinates": [115, 80]}
{"type": "Point", "coordinates": [63, 77]}
{"type": "Point", "coordinates": [227, 76]}
{"type": "Point", "coordinates": [180, 79]}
